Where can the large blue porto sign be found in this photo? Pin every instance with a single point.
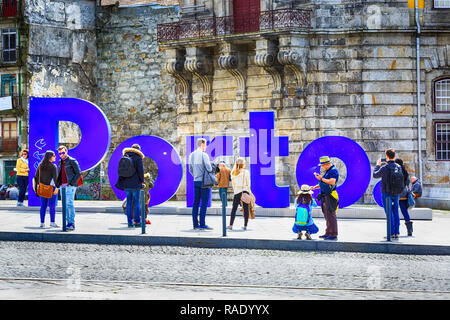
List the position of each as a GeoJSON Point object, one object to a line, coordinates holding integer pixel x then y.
{"type": "Point", "coordinates": [261, 147]}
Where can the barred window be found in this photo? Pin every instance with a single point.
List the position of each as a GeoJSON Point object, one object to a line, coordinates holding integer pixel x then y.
{"type": "Point", "coordinates": [441, 4]}
{"type": "Point", "coordinates": [442, 130]}
{"type": "Point", "coordinates": [442, 95]}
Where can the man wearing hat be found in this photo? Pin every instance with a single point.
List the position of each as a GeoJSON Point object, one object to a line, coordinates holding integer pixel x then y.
{"type": "Point", "coordinates": [329, 201]}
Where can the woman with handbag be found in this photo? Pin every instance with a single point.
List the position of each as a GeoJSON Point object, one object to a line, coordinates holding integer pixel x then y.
{"type": "Point", "coordinates": [240, 179]}
{"type": "Point", "coordinates": [45, 187]}
{"type": "Point", "coordinates": [403, 198]}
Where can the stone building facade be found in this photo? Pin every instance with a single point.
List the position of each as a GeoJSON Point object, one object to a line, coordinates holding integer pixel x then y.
{"type": "Point", "coordinates": [12, 87]}
{"type": "Point", "coordinates": [340, 67]}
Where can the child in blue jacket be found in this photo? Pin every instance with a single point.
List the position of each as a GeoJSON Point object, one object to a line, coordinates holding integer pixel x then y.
{"type": "Point", "coordinates": [303, 213]}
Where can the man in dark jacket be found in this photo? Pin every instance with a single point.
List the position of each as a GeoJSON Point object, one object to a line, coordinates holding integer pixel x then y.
{"type": "Point", "coordinates": [390, 202]}
{"type": "Point", "coordinates": [69, 173]}
{"type": "Point", "coordinates": [132, 185]}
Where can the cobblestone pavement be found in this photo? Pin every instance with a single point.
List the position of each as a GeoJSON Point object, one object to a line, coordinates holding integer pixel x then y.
{"type": "Point", "coordinates": [59, 271]}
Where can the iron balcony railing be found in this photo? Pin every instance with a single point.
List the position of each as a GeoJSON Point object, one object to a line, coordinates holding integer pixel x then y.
{"type": "Point", "coordinates": [218, 26]}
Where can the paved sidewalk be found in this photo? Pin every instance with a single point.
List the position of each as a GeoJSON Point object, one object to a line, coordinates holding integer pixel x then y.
{"type": "Point", "coordinates": [264, 232]}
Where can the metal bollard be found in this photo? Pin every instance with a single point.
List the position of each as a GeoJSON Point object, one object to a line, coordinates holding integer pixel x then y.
{"type": "Point", "coordinates": [64, 208]}
{"type": "Point", "coordinates": [142, 202]}
{"type": "Point", "coordinates": [388, 206]}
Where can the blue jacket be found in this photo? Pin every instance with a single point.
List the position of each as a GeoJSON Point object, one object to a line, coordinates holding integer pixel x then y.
{"type": "Point", "coordinates": [137, 179]}
{"type": "Point", "coordinates": [417, 188]}
{"type": "Point", "coordinates": [382, 172]}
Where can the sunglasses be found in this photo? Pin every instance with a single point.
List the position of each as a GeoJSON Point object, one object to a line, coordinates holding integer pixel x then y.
{"type": "Point", "coordinates": [62, 152]}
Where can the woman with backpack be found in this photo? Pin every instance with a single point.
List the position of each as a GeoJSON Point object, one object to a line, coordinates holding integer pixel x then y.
{"type": "Point", "coordinates": [403, 198]}
{"type": "Point", "coordinates": [240, 179]}
{"type": "Point", "coordinates": [303, 213]}
{"type": "Point", "coordinates": [45, 187]}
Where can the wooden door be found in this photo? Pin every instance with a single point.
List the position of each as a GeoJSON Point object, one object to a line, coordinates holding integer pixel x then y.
{"type": "Point", "coordinates": [246, 15]}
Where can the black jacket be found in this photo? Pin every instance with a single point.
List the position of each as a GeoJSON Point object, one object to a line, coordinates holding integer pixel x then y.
{"type": "Point", "coordinates": [46, 176]}
{"type": "Point", "coordinates": [137, 179]}
{"type": "Point", "coordinates": [382, 172]}
{"type": "Point", "coordinates": [73, 172]}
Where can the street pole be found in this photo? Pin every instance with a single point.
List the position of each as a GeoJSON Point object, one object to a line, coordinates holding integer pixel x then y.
{"type": "Point", "coordinates": [387, 206]}
{"type": "Point", "coordinates": [142, 202]}
{"type": "Point", "coordinates": [64, 208]}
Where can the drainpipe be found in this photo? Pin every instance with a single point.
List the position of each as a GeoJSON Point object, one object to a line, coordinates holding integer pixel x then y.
{"type": "Point", "coordinates": [419, 117]}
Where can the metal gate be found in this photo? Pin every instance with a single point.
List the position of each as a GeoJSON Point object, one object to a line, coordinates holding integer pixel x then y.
{"type": "Point", "coordinates": [246, 15]}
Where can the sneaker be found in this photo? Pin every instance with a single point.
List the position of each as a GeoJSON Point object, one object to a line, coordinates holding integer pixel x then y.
{"type": "Point", "coordinates": [229, 228]}
{"type": "Point", "coordinates": [70, 227]}
{"type": "Point", "coordinates": [147, 222]}
{"type": "Point", "coordinates": [299, 235]}
{"type": "Point", "coordinates": [323, 236]}
{"type": "Point", "coordinates": [42, 225]}
{"type": "Point", "coordinates": [308, 236]}
{"type": "Point", "coordinates": [244, 228]}
{"type": "Point", "coordinates": [19, 204]}
{"type": "Point", "coordinates": [54, 225]}
{"type": "Point", "coordinates": [137, 225]}
{"type": "Point", "coordinates": [205, 227]}
{"type": "Point", "coordinates": [131, 226]}
{"type": "Point", "coordinates": [330, 238]}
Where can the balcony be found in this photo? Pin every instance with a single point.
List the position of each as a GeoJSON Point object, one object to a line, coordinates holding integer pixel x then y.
{"type": "Point", "coordinates": [272, 20]}
{"type": "Point", "coordinates": [9, 145]}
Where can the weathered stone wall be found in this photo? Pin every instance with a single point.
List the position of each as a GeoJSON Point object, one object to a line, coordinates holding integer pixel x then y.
{"type": "Point", "coordinates": [62, 53]}
{"type": "Point", "coordinates": [136, 95]}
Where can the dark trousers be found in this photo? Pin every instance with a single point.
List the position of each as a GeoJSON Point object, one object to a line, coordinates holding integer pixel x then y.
{"type": "Point", "coordinates": [404, 207]}
{"type": "Point", "coordinates": [201, 195]}
{"type": "Point", "coordinates": [22, 181]}
{"type": "Point", "coordinates": [330, 218]}
{"type": "Point", "coordinates": [236, 202]}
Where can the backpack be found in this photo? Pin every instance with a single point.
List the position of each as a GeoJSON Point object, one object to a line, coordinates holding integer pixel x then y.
{"type": "Point", "coordinates": [126, 167]}
{"type": "Point", "coordinates": [302, 214]}
{"type": "Point", "coordinates": [396, 182]}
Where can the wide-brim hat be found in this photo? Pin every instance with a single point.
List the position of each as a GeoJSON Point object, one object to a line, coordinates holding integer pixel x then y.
{"type": "Point", "coordinates": [324, 160]}
{"type": "Point", "coordinates": [305, 189]}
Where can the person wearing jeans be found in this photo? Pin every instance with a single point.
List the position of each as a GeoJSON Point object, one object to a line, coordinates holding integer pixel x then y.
{"type": "Point", "coordinates": [69, 173]}
{"type": "Point", "coordinates": [132, 184]}
{"type": "Point", "coordinates": [51, 204]}
{"type": "Point", "coordinates": [133, 211]}
{"type": "Point", "coordinates": [390, 201]}
{"type": "Point", "coordinates": [198, 164]}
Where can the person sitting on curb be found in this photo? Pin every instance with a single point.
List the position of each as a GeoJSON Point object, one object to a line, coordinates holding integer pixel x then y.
{"type": "Point", "coordinates": [303, 213]}
{"type": "Point", "coordinates": [416, 187]}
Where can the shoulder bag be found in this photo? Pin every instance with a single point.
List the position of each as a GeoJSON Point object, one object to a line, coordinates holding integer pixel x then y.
{"type": "Point", "coordinates": [43, 190]}
{"type": "Point", "coordinates": [245, 197]}
{"type": "Point", "coordinates": [209, 179]}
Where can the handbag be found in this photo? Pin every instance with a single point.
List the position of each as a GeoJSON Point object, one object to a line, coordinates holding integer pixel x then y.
{"type": "Point", "coordinates": [246, 198]}
{"type": "Point", "coordinates": [43, 190]}
{"type": "Point", "coordinates": [209, 179]}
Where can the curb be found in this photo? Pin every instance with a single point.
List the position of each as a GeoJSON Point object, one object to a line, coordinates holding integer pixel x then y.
{"type": "Point", "coordinates": [345, 213]}
{"type": "Point", "coordinates": [227, 243]}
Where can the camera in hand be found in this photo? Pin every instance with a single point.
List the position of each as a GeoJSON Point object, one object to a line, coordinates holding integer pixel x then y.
{"type": "Point", "coordinates": [383, 159]}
